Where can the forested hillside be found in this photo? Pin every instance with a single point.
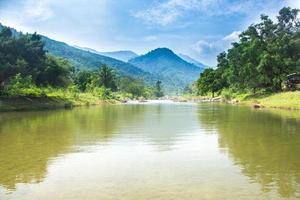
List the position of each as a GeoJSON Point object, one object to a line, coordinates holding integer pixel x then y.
{"type": "Point", "coordinates": [27, 69]}
{"type": "Point", "coordinates": [87, 60]}
{"type": "Point", "coordinates": [175, 71]}
{"type": "Point", "coordinates": [193, 61]}
{"type": "Point", "coordinates": [261, 60]}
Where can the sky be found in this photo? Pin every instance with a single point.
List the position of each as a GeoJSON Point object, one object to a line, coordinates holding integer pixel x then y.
{"type": "Point", "coordinates": [200, 29]}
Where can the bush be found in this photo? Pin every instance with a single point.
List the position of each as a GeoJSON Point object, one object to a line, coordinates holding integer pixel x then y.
{"type": "Point", "coordinates": [23, 86]}
{"type": "Point", "coordinates": [73, 91]}
{"type": "Point", "coordinates": [227, 94]}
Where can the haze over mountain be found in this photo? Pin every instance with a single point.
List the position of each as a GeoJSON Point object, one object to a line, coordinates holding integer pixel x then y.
{"type": "Point", "coordinates": [159, 64]}
{"type": "Point", "coordinates": [166, 63]}
{"type": "Point", "coordinates": [191, 60]}
{"type": "Point", "coordinates": [198, 28]}
{"type": "Point", "coordinates": [119, 55]}
{"type": "Point", "coordinates": [83, 59]}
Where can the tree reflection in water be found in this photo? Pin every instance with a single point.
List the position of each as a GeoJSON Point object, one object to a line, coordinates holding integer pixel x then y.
{"type": "Point", "coordinates": [30, 140]}
{"type": "Point", "coordinates": [264, 144]}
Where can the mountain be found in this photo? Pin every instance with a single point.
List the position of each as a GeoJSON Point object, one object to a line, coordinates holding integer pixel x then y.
{"type": "Point", "coordinates": [88, 60]}
{"type": "Point", "coordinates": [191, 60]}
{"type": "Point", "coordinates": [14, 31]}
{"type": "Point", "coordinates": [176, 72]}
{"type": "Point", "coordinates": [159, 64]}
{"type": "Point", "coordinates": [119, 55]}
{"type": "Point", "coordinates": [83, 59]}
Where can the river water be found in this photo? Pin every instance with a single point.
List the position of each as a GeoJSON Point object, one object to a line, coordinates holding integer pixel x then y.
{"type": "Point", "coordinates": [156, 150]}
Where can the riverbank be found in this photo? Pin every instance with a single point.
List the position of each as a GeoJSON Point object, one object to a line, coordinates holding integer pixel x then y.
{"type": "Point", "coordinates": [283, 100]}
{"type": "Point", "coordinates": [32, 103]}
{"type": "Point", "coordinates": [8, 104]}
{"type": "Point", "coordinates": [51, 101]}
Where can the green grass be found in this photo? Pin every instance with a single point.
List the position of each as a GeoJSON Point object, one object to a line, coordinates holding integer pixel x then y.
{"type": "Point", "coordinates": [35, 98]}
{"type": "Point", "coordinates": [283, 100]}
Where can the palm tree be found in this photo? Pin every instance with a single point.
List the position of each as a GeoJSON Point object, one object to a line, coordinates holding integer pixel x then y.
{"type": "Point", "coordinates": [107, 77]}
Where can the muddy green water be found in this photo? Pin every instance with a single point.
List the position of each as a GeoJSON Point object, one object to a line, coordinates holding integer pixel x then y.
{"type": "Point", "coordinates": [152, 151]}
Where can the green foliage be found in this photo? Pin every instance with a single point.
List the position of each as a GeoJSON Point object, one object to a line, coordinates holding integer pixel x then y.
{"type": "Point", "coordinates": [209, 82]}
{"type": "Point", "coordinates": [265, 54]}
{"type": "Point", "coordinates": [84, 78]}
{"type": "Point", "coordinates": [27, 70]}
{"type": "Point", "coordinates": [132, 86]}
{"type": "Point", "coordinates": [158, 89]}
{"type": "Point", "coordinates": [22, 86]}
{"type": "Point", "coordinates": [57, 72]}
{"type": "Point", "coordinates": [107, 78]}
{"type": "Point", "coordinates": [25, 55]}
{"type": "Point", "coordinates": [175, 72]}
{"type": "Point", "coordinates": [82, 59]}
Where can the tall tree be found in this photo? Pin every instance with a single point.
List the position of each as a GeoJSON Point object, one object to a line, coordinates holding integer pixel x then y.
{"type": "Point", "coordinates": [261, 60]}
{"type": "Point", "coordinates": [207, 82]}
{"type": "Point", "coordinates": [158, 89]}
{"type": "Point", "coordinates": [107, 78]}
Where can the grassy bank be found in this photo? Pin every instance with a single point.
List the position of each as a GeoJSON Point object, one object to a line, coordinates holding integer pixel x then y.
{"type": "Point", "coordinates": [49, 98]}
{"type": "Point", "coordinates": [44, 103]}
{"type": "Point", "coordinates": [31, 103]}
{"type": "Point", "coordinates": [284, 100]}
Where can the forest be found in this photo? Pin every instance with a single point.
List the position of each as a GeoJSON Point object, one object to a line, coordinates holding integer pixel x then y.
{"type": "Point", "coordinates": [28, 70]}
{"type": "Point", "coordinates": [260, 61]}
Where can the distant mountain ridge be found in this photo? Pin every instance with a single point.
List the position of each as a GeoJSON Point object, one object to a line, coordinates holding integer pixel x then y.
{"type": "Point", "coordinates": [82, 59]}
{"type": "Point", "coordinates": [192, 60]}
{"type": "Point", "coordinates": [119, 55]}
{"type": "Point", "coordinates": [165, 62]}
{"type": "Point", "coordinates": [159, 64]}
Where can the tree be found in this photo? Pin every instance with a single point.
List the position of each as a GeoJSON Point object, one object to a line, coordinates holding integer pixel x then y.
{"type": "Point", "coordinates": [107, 78]}
{"type": "Point", "coordinates": [262, 58]}
{"type": "Point", "coordinates": [132, 86]}
{"type": "Point", "coordinates": [25, 55]}
{"type": "Point", "coordinates": [5, 33]}
{"type": "Point", "coordinates": [83, 78]}
{"type": "Point", "coordinates": [57, 72]}
{"type": "Point", "coordinates": [207, 82]}
{"type": "Point", "coordinates": [158, 89]}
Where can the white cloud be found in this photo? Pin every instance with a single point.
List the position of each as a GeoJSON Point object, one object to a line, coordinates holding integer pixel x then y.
{"type": "Point", "coordinates": [232, 37]}
{"type": "Point", "coordinates": [39, 10]}
{"type": "Point", "coordinates": [151, 38]}
{"type": "Point", "coordinates": [203, 47]}
{"type": "Point", "coordinates": [218, 45]}
{"type": "Point", "coordinates": [26, 12]}
{"type": "Point", "coordinates": [207, 50]}
{"type": "Point", "coordinates": [293, 3]}
{"type": "Point", "coordinates": [167, 12]}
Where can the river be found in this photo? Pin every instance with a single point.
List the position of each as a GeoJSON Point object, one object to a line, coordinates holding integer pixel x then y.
{"type": "Point", "coordinates": [155, 150]}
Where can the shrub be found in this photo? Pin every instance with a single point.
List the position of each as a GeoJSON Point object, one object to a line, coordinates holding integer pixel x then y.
{"type": "Point", "coordinates": [23, 86]}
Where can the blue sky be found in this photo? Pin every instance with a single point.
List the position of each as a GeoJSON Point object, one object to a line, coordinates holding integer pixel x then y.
{"type": "Point", "coordinates": [198, 28]}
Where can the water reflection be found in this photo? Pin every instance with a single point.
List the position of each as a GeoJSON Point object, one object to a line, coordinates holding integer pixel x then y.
{"type": "Point", "coordinates": [150, 151]}
{"type": "Point", "coordinates": [30, 141]}
{"type": "Point", "coordinates": [264, 144]}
